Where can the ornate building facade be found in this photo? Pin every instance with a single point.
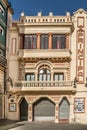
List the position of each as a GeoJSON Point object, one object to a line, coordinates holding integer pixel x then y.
{"type": "Point", "coordinates": [47, 68]}
{"type": "Point", "coordinates": [5, 11]}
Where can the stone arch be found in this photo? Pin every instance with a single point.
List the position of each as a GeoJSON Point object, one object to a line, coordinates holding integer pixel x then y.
{"type": "Point", "coordinates": [66, 97]}
{"type": "Point", "coordinates": [64, 110]}
{"type": "Point", "coordinates": [23, 109]}
{"type": "Point", "coordinates": [44, 62]}
{"type": "Point", "coordinates": [20, 99]}
{"type": "Point", "coordinates": [43, 109]}
{"type": "Point", "coordinates": [39, 97]}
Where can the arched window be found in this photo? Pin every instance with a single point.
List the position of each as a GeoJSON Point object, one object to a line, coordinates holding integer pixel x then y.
{"type": "Point", "coordinates": [44, 74]}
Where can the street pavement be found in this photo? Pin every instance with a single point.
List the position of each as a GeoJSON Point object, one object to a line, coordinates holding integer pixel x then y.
{"type": "Point", "coordinates": [48, 126]}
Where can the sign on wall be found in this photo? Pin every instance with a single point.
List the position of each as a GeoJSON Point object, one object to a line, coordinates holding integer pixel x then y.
{"type": "Point", "coordinates": [12, 107]}
{"type": "Point", "coordinates": [80, 50]}
{"type": "Point", "coordinates": [79, 105]}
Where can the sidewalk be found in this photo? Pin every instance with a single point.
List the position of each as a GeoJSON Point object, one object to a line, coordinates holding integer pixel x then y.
{"type": "Point", "coordinates": [6, 124]}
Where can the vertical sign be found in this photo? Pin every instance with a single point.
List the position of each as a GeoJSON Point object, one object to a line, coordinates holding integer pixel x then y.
{"type": "Point", "coordinates": [80, 53]}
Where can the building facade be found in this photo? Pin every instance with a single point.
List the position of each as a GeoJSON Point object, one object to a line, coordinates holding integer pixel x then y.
{"type": "Point", "coordinates": [47, 68]}
{"type": "Point", "coordinates": [5, 10]}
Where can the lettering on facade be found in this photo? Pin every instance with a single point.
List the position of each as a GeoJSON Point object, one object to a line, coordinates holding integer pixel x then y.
{"type": "Point", "coordinates": [80, 56]}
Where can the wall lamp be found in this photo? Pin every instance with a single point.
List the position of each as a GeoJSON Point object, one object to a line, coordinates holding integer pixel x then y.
{"type": "Point", "coordinates": [86, 82]}
{"type": "Point", "coordinates": [10, 81]}
{"type": "Point", "coordinates": [75, 81]}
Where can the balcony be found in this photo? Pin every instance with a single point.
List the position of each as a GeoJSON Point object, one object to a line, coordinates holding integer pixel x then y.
{"type": "Point", "coordinates": [44, 53]}
{"type": "Point", "coordinates": [66, 86]}
{"type": "Point", "coordinates": [3, 61]}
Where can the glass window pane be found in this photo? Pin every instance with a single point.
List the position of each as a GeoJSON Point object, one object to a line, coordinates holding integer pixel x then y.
{"type": "Point", "coordinates": [32, 77]}
{"type": "Point", "coordinates": [42, 42]}
{"type": "Point", "coordinates": [61, 77]}
{"type": "Point", "coordinates": [41, 71]}
{"type": "Point", "coordinates": [26, 42]}
{"type": "Point", "coordinates": [40, 77]}
{"type": "Point", "coordinates": [46, 41]}
{"type": "Point", "coordinates": [48, 71]}
{"type": "Point", "coordinates": [63, 42]}
{"type": "Point", "coordinates": [58, 42]}
{"type": "Point", "coordinates": [56, 77]}
{"type": "Point", "coordinates": [54, 41]}
{"type": "Point", "coordinates": [34, 42]}
{"type": "Point", "coordinates": [28, 77]}
{"type": "Point", "coordinates": [44, 77]}
{"type": "Point", "coordinates": [48, 77]}
{"type": "Point", "coordinates": [30, 42]}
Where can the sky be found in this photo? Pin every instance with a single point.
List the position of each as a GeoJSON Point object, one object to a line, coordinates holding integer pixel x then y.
{"type": "Point", "coordinates": [58, 7]}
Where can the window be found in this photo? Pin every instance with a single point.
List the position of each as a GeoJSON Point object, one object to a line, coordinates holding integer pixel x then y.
{"type": "Point", "coordinates": [58, 76]}
{"type": "Point", "coordinates": [44, 42]}
{"type": "Point", "coordinates": [58, 41]}
{"type": "Point", "coordinates": [30, 42]}
{"type": "Point", "coordinates": [30, 77]}
{"type": "Point", "coordinates": [44, 75]}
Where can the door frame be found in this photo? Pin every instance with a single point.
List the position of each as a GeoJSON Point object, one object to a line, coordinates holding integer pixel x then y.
{"type": "Point", "coordinates": [21, 99]}
{"type": "Point", "coordinates": [64, 120]}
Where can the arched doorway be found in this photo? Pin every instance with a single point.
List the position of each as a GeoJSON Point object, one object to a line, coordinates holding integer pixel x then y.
{"type": "Point", "coordinates": [44, 110]}
{"type": "Point", "coordinates": [64, 110]}
{"type": "Point", "coordinates": [23, 110]}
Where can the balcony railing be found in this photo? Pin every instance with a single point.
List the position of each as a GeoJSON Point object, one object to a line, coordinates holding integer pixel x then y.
{"type": "Point", "coordinates": [3, 60]}
{"type": "Point", "coordinates": [44, 85]}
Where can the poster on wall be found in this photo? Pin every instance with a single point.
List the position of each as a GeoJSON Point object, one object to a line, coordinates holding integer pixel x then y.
{"type": "Point", "coordinates": [79, 105]}
{"type": "Point", "coordinates": [12, 107]}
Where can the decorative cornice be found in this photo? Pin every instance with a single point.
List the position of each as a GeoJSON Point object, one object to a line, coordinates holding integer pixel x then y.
{"type": "Point", "coordinates": [54, 60]}
{"type": "Point", "coordinates": [80, 11]}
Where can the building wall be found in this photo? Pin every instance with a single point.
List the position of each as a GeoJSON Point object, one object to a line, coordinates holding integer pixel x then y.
{"type": "Point", "coordinates": [71, 61]}
{"type": "Point", "coordinates": [4, 5]}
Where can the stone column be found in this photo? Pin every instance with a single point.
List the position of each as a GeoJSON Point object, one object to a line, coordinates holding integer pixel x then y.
{"type": "Point", "coordinates": [50, 41]}
{"type": "Point", "coordinates": [38, 40]}
{"type": "Point", "coordinates": [36, 76]}
{"type": "Point", "coordinates": [21, 41]}
{"type": "Point", "coordinates": [52, 76]}
{"type": "Point", "coordinates": [72, 114]}
{"type": "Point", "coordinates": [56, 113]}
{"type": "Point", "coordinates": [67, 40]}
{"type": "Point", "coordinates": [30, 113]}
